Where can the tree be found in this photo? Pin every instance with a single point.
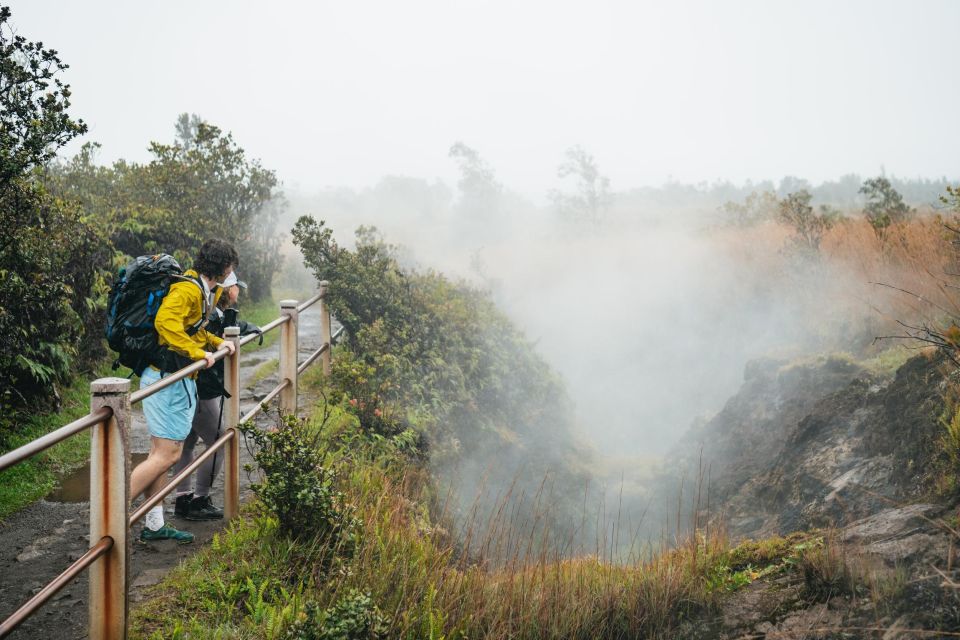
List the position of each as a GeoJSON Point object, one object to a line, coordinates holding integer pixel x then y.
{"type": "Point", "coordinates": [480, 193]}
{"type": "Point", "coordinates": [758, 207]}
{"type": "Point", "coordinates": [592, 196]}
{"type": "Point", "coordinates": [884, 205]}
{"type": "Point", "coordinates": [796, 211]}
{"type": "Point", "coordinates": [34, 122]}
{"type": "Point", "coordinates": [215, 190]}
{"type": "Point", "coordinates": [49, 258]}
{"type": "Point", "coordinates": [200, 186]}
{"type": "Point", "coordinates": [952, 199]}
{"type": "Point", "coordinates": [792, 184]}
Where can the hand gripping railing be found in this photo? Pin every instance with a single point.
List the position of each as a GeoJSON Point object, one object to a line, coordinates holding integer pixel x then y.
{"type": "Point", "coordinates": [109, 419]}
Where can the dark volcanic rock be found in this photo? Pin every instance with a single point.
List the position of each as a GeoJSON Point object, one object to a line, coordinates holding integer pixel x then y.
{"type": "Point", "coordinates": [818, 444]}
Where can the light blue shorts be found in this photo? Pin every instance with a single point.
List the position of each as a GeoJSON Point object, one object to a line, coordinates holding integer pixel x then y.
{"type": "Point", "coordinates": [169, 412]}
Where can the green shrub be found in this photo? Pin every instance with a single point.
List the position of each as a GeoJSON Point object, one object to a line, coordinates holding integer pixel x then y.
{"type": "Point", "coordinates": [353, 617]}
{"type": "Point", "coordinates": [51, 261]}
{"type": "Point", "coordinates": [299, 490]}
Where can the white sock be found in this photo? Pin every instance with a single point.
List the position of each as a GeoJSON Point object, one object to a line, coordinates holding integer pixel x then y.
{"type": "Point", "coordinates": [154, 518]}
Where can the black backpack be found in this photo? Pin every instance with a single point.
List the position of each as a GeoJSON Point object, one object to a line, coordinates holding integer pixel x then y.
{"type": "Point", "coordinates": [132, 309]}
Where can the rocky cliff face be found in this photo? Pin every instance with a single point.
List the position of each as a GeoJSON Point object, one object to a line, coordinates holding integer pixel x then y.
{"type": "Point", "coordinates": [854, 458]}
{"type": "Point", "coordinates": [819, 444]}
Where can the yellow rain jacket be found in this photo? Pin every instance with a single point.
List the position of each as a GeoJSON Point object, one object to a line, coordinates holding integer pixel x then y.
{"type": "Point", "coordinates": [181, 308]}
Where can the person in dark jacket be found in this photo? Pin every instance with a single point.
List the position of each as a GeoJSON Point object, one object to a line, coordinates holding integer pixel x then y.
{"type": "Point", "coordinates": [195, 503]}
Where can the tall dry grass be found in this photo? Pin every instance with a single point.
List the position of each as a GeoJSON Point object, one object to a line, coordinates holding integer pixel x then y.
{"type": "Point", "coordinates": [860, 284]}
{"type": "Point", "coordinates": [494, 580]}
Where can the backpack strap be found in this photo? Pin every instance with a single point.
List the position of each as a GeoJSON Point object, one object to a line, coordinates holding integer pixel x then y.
{"type": "Point", "coordinates": [207, 306]}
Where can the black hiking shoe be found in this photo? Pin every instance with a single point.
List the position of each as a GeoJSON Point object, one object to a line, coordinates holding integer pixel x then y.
{"type": "Point", "coordinates": [182, 505]}
{"type": "Point", "coordinates": [202, 509]}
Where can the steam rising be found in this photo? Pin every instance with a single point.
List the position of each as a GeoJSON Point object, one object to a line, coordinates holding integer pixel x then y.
{"type": "Point", "coordinates": [649, 313]}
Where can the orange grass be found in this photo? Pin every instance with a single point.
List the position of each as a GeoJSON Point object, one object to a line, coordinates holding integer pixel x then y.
{"type": "Point", "coordinates": [861, 285]}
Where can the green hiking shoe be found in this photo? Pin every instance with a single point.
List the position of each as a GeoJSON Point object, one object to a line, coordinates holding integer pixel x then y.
{"type": "Point", "coordinates": [166, 532]}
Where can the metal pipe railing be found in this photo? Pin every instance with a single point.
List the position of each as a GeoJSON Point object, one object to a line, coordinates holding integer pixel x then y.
{"type": "Point", "coordinates": [43, 443]}
{"type": "Point", "coordinates": [110, 418]}
{"type": "Point", "coordinates": [30, 606]}
{"type": "Point", "coordinates": [313, 356]}
{"type": "Point", "coordinates": [270, 326]}
{"type": "Point", "coordinates": [266, 400]}
{"type": "Point", "coordinates": [309, 303]}
{"type": "Point", "coordinates": [173, 378]}
{"type": "Point", "coordinates": [157, 498]}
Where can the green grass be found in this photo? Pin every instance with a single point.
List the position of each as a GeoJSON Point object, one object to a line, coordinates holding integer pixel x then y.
{"type": "Point", "coordinates": [36, 477]}
{"type": "Point", "coordinates": [260, 313]}
{"type": "Point", "coordinates": [886, 363]}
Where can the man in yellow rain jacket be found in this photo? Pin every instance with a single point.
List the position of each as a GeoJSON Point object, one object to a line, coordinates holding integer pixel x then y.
{"type": "Point", "coordinates": [169, 412]}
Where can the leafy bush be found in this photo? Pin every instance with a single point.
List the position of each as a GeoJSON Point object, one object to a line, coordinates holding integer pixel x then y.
{"type": "Point", "coordinates": [438, 355]}
{"type": "Point", "coordinates": [353, 617]}
{"type": "Point", "coordinates": [299, 490]}
{"type": "Point", "coordinates": [200, 186]}
{"type": "Point", "coordinates": [365, 387]}
{"type": "Point", "coordinates": [50, 259]}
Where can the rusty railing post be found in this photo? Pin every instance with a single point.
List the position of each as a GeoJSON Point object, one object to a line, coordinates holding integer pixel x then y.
{"type": "Point", "coordinates": [327, 357]}
{"type": "Point", "coordinates": [109, 504]}
{"type": "Point", "coordinates": [231, 417]}
{"type": "Point", "coordinates": [289, 352]}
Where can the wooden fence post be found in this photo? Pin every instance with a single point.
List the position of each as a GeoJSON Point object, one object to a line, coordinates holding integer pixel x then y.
{"type": "Point", "coordinates": [109, 507]}
{"type": "Point", "coordinates": [231, 417]}
{"type": "Point", "coordinates": [327, 357]}
{"type": "Point", "coordinates": [289, 352]}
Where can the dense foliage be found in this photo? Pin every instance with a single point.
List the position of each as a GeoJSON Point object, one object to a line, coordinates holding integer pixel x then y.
{"type": "Point", "coordinates": [48, 255]}
{"type": "Point", "coordinates": [200, 186]}
{"type": "Point", "coordinates": [437, 356]}
{"type": "Point", "coordinates": [353, 617]}
{"type": "Point", "coordinates": [66, 227]}
{"type": "Point", "coordinates": [438, 351]}
{"type": "Point", "coordinates": [298, 489]}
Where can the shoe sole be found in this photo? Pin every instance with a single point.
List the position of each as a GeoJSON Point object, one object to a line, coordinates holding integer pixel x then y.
{"type": "Point", "coordinates": [202, 518]}
{"type": "Point", "coordinates": [148, 541]}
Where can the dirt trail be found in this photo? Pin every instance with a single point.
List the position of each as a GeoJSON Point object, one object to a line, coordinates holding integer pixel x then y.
{"type": "Point", "coordinates": [44, 538]}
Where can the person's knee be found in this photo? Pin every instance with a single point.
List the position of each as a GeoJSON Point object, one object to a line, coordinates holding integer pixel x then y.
{"type": "Point", "coordinates": [169, 454]}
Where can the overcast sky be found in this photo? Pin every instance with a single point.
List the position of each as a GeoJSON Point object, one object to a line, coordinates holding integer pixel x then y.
{"type": "Point", "coordinates": [342, 93]}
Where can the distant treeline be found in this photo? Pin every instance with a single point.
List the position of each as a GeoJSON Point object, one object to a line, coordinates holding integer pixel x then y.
{"type": "Point", "coordinates": [66, 226]}
{"type": "Point", "coordinates": [844, 193]}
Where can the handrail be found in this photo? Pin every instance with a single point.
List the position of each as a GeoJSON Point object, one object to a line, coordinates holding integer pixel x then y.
{"type": "Point", "coordinates": [42, 443]}
{"type": "Point", "coordinates": [309, 303]}
{"type": "Point", "coordinates": [158, 497]}
{"type": "Point", "coordinates": [273, 324]}
{"type": "Point", "coordinates": [110, 418]}
{"type": "Point", "coordinates": [62, 580]}
{"type": "Point", "coordinates": [266, 400]}
{"type": "Point", "coordinates": [180, 374]}
{"type": "Point", "coordinates": [313, 356]}
{"type": "Point", "coordinates": [270, 326]}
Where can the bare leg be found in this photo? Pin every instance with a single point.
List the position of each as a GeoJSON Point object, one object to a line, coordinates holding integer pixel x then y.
{"type": "Point", "coordinates": [148, 477]}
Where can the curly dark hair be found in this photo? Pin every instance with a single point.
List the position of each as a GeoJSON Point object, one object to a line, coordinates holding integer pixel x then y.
{"type": "Point", "coordinates": [214, 258]}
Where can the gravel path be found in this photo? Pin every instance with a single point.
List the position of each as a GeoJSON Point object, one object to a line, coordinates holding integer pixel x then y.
{"type": "Point", "coordinates": [43, 539]}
